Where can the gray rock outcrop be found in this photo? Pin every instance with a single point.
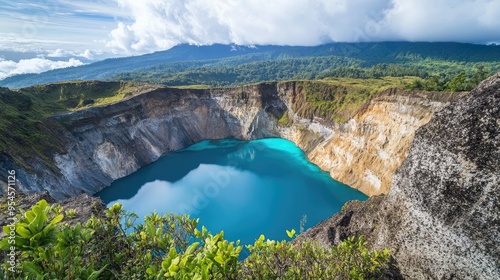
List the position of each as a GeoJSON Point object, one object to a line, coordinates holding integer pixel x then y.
{"type": "Point", "coordinates": [441, 216]}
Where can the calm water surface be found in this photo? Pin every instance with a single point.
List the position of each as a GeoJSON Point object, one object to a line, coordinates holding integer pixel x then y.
{"type": "Point", "coordinates": [245, 188]}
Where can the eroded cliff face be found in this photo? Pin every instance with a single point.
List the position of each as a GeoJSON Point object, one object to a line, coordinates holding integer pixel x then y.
{"type": "Point", "coordinates": [105, 143]}
{"type": "Point", "coordinates": [441, 216]}
{"type": "Point", "coordinates": [365, 152]}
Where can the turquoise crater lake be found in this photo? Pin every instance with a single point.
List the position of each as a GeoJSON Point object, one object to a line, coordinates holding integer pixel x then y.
{"type": "Point", "coordinates": [245, 188]}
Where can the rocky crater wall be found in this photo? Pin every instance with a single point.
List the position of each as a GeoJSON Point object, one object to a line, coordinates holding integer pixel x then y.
{"type": "Point", "coordinates": [365, 151]}
{"type": "Point", "coordinates": [441, 216]}
{"type": "Point", "coordinates": [105, 143]}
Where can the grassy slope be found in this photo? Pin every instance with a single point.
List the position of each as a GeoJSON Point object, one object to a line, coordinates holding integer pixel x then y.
{"type": "Point", "coordinates": [338, 99]}
{"type": "Point", "coordinates": [22, 111]}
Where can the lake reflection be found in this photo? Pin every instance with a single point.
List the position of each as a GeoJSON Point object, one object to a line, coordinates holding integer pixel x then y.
{"type": "Point", "coordinates": [245, 188]}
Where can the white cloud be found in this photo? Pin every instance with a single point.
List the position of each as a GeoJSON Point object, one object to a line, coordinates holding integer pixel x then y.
{"type": "Point", "coordinates": [57, 53]}
{"type": "Point", "coordinates": [97, 29]}
{"type": "Point", "coordinates": [161, 24]}
{"type": "Point", "coordinates": [34, 65]}
{"type": "Point", "coordinates": [88, 54]}
{"type": "Point", "coordinates": [445, 20]}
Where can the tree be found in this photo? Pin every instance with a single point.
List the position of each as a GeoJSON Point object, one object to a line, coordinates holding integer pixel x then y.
{"type": "Point", "coordinates": [480, 75]}
{"type": "Point", "coordinates": [458, 83]}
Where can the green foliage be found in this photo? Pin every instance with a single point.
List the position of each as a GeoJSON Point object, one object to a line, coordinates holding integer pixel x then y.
{"type": "Point", "coordinates": [309, 260]}
{"type": "Point", "coordinates": [170, 247]}
{"type": "Point", "coordinates": [237, 71]}
{"type": "Point", "coordinates": [458, 83]}
{"type": "Point", "coordinates": [338, 99]}
{"type": "Point", "coordinates": [285, 120]}
{"type": "Point", "coordinates": [71, 213]}
{"type": "Point", "coordinates": [446, 82]}
{"type": "Point", "coordinates": [226, 73]}
{"type": "Point", "coordinates": [436, 64]}
{"type": "Point", "coordinates": [373, 72]}
{"type": "Point", "coordinates": [48, 249]}
{"type": "Point", "coordinates": [36, 229]}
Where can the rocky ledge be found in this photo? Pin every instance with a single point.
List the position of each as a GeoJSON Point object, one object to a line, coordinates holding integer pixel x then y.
{"type": "Point", "coordinates": [441, 216]}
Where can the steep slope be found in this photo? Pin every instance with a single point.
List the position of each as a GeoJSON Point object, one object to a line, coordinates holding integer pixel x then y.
{"type": "Point", "coordinates": [365, 151]}
{"type": "Point", "coordinates": [104, 143]}
{"type": "Point", "coordinates": [441, 215]}
{"type": "Point", "coordinates": [97, 145]}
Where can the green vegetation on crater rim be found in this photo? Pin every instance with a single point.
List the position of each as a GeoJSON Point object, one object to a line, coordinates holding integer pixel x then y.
{"type": "Point", "coordinates": [28, 131]}
{"type": "Point", "coordinates": [168, 247]}
{"type": "Point", "coordinates": [24, 113]}
{"type": "Point", "coordinates": [339, 99]}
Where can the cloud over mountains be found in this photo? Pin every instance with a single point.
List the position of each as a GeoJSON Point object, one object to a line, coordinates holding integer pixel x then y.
{"type": "Point", "coordinates": [160, 24]}
{"type": "Point", "coordinates": [88, 30]}
{"type": "Point", "coordinates": [34, 65]}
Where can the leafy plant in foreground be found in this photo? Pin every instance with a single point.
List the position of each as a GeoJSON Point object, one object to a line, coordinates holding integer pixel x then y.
{"type": "Point", "coordinates": [170, 247]}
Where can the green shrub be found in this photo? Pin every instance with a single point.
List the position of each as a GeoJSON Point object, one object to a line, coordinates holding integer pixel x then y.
{"type": "Point", "coordinates": [309, 260]}
{"type": "Point", "coordinates": [71, 213]}
{"type": "Point", "coordinates": [170, 247]}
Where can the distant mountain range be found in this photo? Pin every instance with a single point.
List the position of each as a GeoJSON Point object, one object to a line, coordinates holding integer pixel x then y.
{"type": "Point", "coordinates": [223, 60]}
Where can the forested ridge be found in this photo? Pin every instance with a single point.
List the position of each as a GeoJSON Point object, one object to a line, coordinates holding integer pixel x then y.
{"type": "Point", "coordinates": [229, 65]}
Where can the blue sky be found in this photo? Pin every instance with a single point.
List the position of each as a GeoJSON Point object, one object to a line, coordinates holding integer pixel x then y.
{"type": "Point", "coordinates": [87, 30]}
{"type": "Point", "coordinates": [47, 26]}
